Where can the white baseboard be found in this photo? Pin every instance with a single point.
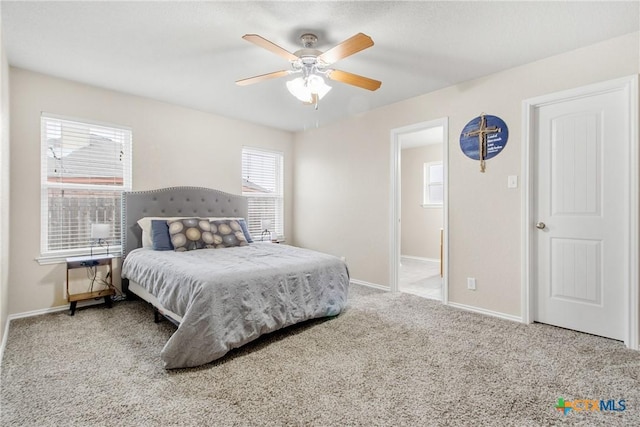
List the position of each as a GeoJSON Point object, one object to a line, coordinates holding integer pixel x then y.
{"type": "Point", "coordinates": [370, 285]}
{"type": "Point", "coordinates": [4, 342]}
{"type": "Point", "coordinates": [54, 309]}
{"type": "Point", "coordinates": [486, 312]}
{"type": "Point", "coordinates": [417, 258]}
{"type": "Point", "coordinates": [465, 307]}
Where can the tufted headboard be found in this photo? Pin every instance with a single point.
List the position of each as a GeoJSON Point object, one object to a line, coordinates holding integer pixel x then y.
{"type": "Point", "coordinates": [174, 201]}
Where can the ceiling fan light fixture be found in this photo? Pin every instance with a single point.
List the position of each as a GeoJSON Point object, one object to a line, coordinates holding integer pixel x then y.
{"type": "Point", "coordinates": [304, 88]}
{"type": "Point", "coordinates": [317, 85]}
{"type": "Point", "coordinates": [297, 88]}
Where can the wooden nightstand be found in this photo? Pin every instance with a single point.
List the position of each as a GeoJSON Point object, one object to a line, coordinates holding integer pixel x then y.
{"type": "Point", "coordinates": [89, 262]}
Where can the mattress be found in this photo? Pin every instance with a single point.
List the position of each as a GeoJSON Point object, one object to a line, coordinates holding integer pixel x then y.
{"type": "Point", "coordinates": [228, 297]}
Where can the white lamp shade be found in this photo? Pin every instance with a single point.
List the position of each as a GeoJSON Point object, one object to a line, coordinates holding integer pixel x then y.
{"type": "Point", "coordinates": [100, 231]}
{"type": "Point", "coordinates": [297, 88]}
{"type": "Point", "coordinates": [303, 90]}
{"type": "Point", "coordinates": [265, 224]}
{"type": "Point", "coordinates": [317, 85]}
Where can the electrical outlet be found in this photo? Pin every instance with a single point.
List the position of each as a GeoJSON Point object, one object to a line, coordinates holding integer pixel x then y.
{"type": "Point", "coordinates": [471, 283]}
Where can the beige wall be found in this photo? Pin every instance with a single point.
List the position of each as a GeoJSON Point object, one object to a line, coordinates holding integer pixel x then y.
{"type": "Point", "coordinates": [347, 211]}
{"type": "Point", "coordinates": [171, 146]}
{"type": "Point", "coordinates": [4, 186]}
{"type": "Point", "coordinates": [420, 227]}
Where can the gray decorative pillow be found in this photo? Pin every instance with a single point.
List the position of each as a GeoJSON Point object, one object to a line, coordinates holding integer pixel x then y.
{"type": "Point", "coordinates": [227, 233]}
{"type": "Point", "coordinates": [190, 233]}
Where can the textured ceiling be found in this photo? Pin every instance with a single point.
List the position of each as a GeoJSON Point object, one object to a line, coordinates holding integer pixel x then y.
{"type": "Point", "coordinates": [191, 53]}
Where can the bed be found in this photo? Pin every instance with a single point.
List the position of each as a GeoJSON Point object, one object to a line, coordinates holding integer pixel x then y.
{"type": "Point", "coordinates": [221, 299]}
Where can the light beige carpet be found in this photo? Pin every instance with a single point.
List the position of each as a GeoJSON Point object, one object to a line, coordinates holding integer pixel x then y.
{"type": "Point", "coordinates": [388, 360]}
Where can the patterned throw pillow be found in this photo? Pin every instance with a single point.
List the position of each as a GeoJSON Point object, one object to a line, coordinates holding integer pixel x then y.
{"type": "Point", "coordinates": [190, 233]}
{"type": "Point", "coordinates": [227, 233]}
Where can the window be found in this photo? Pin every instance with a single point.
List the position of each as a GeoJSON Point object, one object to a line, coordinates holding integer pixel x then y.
{"type": "Point", "coordinates": [433, 185]}
{"type": "Point", "coordinates": [263, 184]}
{"type": "Point", "coordinates": [85, 169]}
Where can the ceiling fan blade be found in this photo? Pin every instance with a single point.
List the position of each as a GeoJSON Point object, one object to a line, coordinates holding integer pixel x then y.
{"type": "Point", "coordinates": [354, 80]}
{"type": "Point", "coordinates": [272, 47]}
{"type": "Point", "coordinates": [347, 48]}
{"type": "Point", "coordinates": [262, 77]}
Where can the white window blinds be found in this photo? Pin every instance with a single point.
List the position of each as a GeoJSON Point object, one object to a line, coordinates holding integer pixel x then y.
{"type": "Point", "coordinates": [85, 169]}
{"type": "Point", "coordinates": [263, 184]}
{"type": "Point", "coordinates": [433, 184]}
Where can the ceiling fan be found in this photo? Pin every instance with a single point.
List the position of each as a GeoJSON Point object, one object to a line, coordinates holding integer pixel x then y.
{"type": "Point", "coordinates": [312, 65]}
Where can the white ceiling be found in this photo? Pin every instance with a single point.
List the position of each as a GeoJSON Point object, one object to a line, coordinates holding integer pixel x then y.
{"type": "Point", "coordinates": [191, 53]}
{"type": "Point", "coordinates": [429, 136]}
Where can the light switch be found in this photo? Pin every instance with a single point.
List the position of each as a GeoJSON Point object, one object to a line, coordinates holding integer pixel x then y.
{"type": "Point", "coordinates": [512, 181]}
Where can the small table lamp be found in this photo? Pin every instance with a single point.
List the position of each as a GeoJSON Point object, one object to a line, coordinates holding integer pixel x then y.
{"type": "Point", "coordinates": [99, 234]}
{"type": "Point", "coordinates": [265, 224]}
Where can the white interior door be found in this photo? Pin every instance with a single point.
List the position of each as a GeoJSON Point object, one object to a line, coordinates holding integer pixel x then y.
{"type": "Point", "coordinates": [581, 213]}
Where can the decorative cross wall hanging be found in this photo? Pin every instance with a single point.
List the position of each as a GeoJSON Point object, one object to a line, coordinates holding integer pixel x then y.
{"type": "Point", "coordinates": [483, 138]}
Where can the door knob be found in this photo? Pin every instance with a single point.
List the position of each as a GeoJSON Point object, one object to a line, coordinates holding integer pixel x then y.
{"type": "Point", "coordinates": [540, 225]}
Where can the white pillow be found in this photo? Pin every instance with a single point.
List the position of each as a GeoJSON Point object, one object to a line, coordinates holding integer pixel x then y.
{"type": "Point", "coordinates": [145, 225]}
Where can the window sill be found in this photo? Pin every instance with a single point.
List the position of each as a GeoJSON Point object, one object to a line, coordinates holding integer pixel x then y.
{"type": "Point", "coordinates": [431, 206]}
{"type": "Point", "coordinates": [62, 258]}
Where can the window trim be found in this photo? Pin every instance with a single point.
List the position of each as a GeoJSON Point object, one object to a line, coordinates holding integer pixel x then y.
{"type": "Point", "coordinates": [47, 256]}
{"type": "Point", "coordinates": [280, 196]}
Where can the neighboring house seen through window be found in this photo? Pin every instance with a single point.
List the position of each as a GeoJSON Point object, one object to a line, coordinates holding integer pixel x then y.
{"type": "Point", "coordinates": [263, 185]}
{"type": "Point", "coordinates": [85, 169]}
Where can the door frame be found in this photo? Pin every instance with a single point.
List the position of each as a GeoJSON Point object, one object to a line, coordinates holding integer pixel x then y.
{"type": "Point", "coordinates": [629, 85]}
{"type": "Point", "coordinates": [394, 223]}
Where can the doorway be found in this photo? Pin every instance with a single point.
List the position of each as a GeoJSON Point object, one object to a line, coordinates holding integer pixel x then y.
{"type": "Point", "coordinates": [581, 214]}
{"type": "Point", "coordinates": [418, 255]}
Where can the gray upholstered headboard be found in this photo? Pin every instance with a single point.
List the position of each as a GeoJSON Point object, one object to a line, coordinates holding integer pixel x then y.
{"type": "Point", "coordinates": [174, 201]}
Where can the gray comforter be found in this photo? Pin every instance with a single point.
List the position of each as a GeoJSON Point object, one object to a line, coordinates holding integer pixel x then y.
{"type": "Point", "coordinates": [228, 297]}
